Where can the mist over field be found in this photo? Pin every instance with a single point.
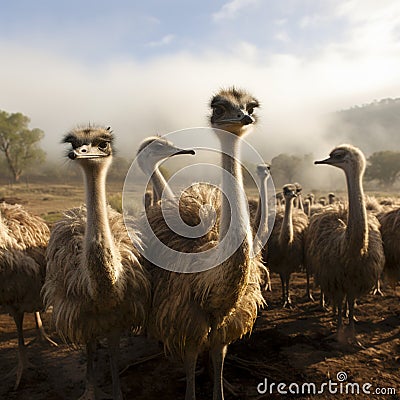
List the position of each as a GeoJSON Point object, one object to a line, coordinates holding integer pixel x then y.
{"type": "Point", "coordinates": [145, 70]}
{"type": "Point", "coordinates": [82, 75]}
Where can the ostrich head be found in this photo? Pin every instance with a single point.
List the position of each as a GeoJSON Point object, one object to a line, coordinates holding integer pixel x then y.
{"type": "Point", "coordinates": [91, 145]}
{"type": "Point", "coordinates": [299, 188]}
{"type": "Point", "coordinates": [263, 170]}
{"type": "Point", "coordinates": [289, 192]}
{"type": "Point", "coordinates": [232, 111]}
{"type": "Point", "coordinates": [346, 157]}
{"type": "Point", "coordinates": [155, 149]}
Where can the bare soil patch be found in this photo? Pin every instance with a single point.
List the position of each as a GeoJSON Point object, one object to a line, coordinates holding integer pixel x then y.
{"type": "Point", "coordinates": [287, 346]}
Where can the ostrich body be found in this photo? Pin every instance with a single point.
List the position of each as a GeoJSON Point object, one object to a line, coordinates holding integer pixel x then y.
{"type": "Point", "coordinates": [344, 247]}
{"type": "Point", "coordinates": [285, 249]}
{"type": "Point", "coordinates": [193, 312]}
{"type": "Point", "coordinates": [94, 281]}
{"type": "Point", "coordinates": [390, 230]}
{"type": "Point", "coordinates": [23, 240]}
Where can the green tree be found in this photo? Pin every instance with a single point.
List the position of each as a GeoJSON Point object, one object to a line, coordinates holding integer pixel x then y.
{"type": "Point", "coordinates": [383, 166]}
{"type": "Point", "coordinates": [285, 168]}
{"type": "Point", "coordinates": [19, 144]}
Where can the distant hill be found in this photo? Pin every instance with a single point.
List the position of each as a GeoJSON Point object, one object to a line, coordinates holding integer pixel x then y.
{"type": "Point", "coordinates": [373, 127]}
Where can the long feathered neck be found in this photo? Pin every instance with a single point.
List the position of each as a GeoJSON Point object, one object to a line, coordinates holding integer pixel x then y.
{"type": "Point", "coordinates": [261, 217]}
{"type": "Point", "coordinates": [234, 211]}
{"type": "Point", "coordinates": [286, 233]}
{"type": "Point", "coordinates": [100, 254]}
{"type": "Point", "coordinates": [233, 273]}
{"type": "Point", "coordinates": [160, 185]}
{"type": "Point", "coordinates": [299, 202]}
{"type": "Point", "coordinates": [357, 224]}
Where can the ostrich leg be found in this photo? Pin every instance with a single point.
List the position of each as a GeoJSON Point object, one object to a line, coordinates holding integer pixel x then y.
{"type": "Point", "coordinates": [218, 354]}
{"type": "Point", "coordinates": [41, 333]}
{"type": "Point", "coordinates": [90, 390]}
{"type": "Point", "coordinates": [23, 362]}
{"type": "Point", "coordinates": [190, 361]}
{"type": "Point", "coordinates": [308, 290]}
{"type": "Point", "coordinates": [113, 348]}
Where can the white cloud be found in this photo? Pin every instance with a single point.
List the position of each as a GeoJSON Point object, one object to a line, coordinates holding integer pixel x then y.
{"type": "Point", "coordinates": [280, 22]}
{"type": "Point", "coordinates": [164, 41]}
{"type": "Point", "coordinates": [282, 37]}
{"type": "Point", "coordinates": [231, 9]}
{"type": "Point", "coordinates": [374, 26]}
{"type": "Point", "coordinates": [311, 20]}
{"type": "Point", "coordinates": [141, 98]}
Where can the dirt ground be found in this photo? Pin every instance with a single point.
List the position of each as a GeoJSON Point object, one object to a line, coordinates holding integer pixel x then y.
{"type": "Point", "coordinates": [290, 346]}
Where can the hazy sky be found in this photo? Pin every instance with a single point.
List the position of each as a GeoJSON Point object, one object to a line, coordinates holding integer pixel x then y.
{"type": "Point", "coordinates": [146, 67]}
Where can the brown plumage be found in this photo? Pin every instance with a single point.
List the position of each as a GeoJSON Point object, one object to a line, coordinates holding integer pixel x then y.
{"type": "Point", "coordinates": [285, 248]}
{"type": "Point", "coordinates": [344, 247]}
{"type": "Point", "coordinates": [372, 204]}
{"type": "Point", "coordinates": [390, 230]}
{"type": "Point", "coordinates": [94, 280]}
{"type": "Point", "coordinates": [192, 312]}
{"type": "Point", "coordinates": [23, 239]}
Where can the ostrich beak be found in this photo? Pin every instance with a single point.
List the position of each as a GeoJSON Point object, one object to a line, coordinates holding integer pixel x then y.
{"type": "Point", "coordinates": [326, 161]}
{"type": "Point", "coordinates": [86, 151]}
{"type": "Point", "coordinates": [243, 119]}
{"type": "Point", "coordinates": [183, 151]}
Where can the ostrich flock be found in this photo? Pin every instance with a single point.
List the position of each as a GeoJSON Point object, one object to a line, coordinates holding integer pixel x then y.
{"type": "Point", "coordinates": [92, 272]}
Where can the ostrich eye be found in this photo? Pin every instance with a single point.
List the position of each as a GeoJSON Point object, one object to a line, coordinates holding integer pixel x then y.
{"type": "Point", "coordinates": [218, 111]}
{"type": "Point", "coordinates": [338, 156]}
{"type": "Point", "coordinates": [102, 145]}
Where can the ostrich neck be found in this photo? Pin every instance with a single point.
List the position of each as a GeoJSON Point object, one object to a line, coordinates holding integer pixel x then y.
{"type": "Point", "coordinates": [160, 185]}
{"type": "Point", "coordinates": [286, 233]}
{"type": "Point", "coordinates": [99, 250]}
{"type": "Point", "coordinates": [300, 202]}
{"type": "Point", "coordinates": [357, 225]}
{"type": "Point", "coordinates": [261, 217]}
{"type": "Point", "coordinates": [231, 276]}
{"type": "Point", "coordinates": [234, 211]}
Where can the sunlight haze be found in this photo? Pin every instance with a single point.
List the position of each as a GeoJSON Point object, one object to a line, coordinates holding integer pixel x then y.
{"type": "Point", "coordinates": [151, 67]}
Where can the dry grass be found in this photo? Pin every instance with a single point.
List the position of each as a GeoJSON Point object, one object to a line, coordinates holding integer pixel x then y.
{"type": "Point", "coordinates": [50, 200]}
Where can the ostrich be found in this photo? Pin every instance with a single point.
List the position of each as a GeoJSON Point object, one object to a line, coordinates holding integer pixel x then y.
{"type": "Point", "coordinates": [344, 247]}
{"type": "Point", "coordinates": [194, 312]}
{"type": "Point", "coordinates": [259, 208]}
{"type": "Point", "coordinates": [94, 280]}
{"type": "Point", "coordinates": [23, 240]}
{"type": "Point", "coordinates": [307, 207]}
{"type": "Point", "coordinates": [286, 243]}
{"type": "Point", "coordinates": [259, 213]}
{"type": "Point", "coordinates": [298, 200]}
{"type": "Point", "coordinates": [151, 152]}
{"type": "Point", "coordinates": [331, 198]}
{"type": "Point", "coordinates": [390, 230]}
{"type": "Point", "coordinates": [279, 199]}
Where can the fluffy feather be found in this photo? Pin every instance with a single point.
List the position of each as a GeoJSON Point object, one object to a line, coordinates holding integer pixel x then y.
{"type": "Point", "coordinates": [78, 316]}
